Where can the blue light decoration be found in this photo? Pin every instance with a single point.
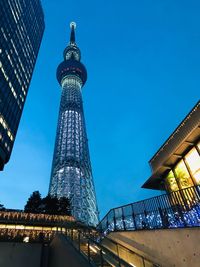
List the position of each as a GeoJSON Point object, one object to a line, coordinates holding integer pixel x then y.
{"type": "Point", "coordinates": [136, 216]}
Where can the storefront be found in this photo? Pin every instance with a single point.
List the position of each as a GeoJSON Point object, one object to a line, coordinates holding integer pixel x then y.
{"type": "Point", "coordinates": [176, 165]}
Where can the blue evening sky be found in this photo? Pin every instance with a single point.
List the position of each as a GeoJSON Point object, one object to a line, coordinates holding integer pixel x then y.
{"type": "Point", "coordinates": [143, 63]}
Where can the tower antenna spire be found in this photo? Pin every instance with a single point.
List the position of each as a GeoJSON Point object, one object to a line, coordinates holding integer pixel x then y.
{"type": "Point", "coordinates": [72, 35]}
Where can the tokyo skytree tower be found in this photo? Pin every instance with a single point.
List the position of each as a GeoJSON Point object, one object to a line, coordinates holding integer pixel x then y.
{"type": "Point", "coordinates": [71, 174]}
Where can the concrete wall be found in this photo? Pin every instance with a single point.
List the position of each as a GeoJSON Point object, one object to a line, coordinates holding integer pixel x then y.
{"type": "Point", "coordinates": [20, 254]}
{"type": "Point", "coordinates": [63, 254]}
{"type": "Point", "coordinates": [167, 247]}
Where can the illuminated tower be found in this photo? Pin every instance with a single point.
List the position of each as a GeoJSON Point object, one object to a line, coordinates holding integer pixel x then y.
{"type": "Point", "coordinates": [71, 174]}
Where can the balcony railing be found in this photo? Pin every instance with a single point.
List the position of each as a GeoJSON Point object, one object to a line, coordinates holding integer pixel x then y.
{"type": "Point", "coordinates": [178, 209]}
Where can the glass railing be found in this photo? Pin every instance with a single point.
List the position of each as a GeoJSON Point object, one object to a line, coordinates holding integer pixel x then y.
{"type": "Point", "coordinates": [178, 209]}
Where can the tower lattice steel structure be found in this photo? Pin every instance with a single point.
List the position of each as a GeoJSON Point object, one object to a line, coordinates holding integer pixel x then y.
{"type": "Point", "coordinates": [71, 174]}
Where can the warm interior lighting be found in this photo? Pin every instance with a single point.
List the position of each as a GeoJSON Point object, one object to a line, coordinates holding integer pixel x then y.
{"type": "Point", "coordinates": [186, 173]}
{"type": "Point", "coordinates": [182, 175]}
{"type": "Point", "coordinates": [171, 182]}
{"type": "Point", "coordinates": [198, 146]}
{"type": "Point", "coordinates": [193, 160]}
{"type": "Point", "coordinates": [6, 127]}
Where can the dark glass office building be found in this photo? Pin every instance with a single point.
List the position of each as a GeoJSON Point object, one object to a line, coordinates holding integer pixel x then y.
{"type": "Point", "coordinates": [21, 31]}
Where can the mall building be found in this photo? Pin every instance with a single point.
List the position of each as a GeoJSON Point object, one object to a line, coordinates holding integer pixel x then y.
{"type": "Point", "coordinates": [176, 165]}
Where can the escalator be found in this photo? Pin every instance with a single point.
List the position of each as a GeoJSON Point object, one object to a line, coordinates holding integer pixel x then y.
{"type": "Point", "coordinates": [132, 257]}
{"type": "Point", "coordinates": [106, 252]}
{"type": "Point", "coordinates": [95, 253]}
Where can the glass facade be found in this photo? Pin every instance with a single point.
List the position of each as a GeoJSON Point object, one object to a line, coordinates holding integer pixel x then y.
{"type": "Point", "coordinates": [193, 161]}
{"type": "Point", "coordinates": [182, 175]}
{"type": "Point", "coordinates": [171, 182]}
{"type": "Point", "coordinates": [186, 172]}
{"type": "Point", "coordinates": [198, 147]}
{"type": "Point", "coordinates": [21, 30]}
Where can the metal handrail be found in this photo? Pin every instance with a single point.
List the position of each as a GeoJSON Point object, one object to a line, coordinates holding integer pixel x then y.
{"type": "Point", "coordinates": [130, 252]}
{"type": "Point", "coordinates": [113, 255]}
{"type": "Point", "coordinates": [177, 209]}
{"type": "Point", "coordinates": [117, 244]}
{"type": "Point", "coordinates": [104, 254]}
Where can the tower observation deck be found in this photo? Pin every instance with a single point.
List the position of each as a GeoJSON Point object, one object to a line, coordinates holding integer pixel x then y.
{"type": "Point", "coordinates": [71, 174]}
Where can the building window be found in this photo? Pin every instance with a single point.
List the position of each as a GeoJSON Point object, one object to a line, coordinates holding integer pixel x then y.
{"type": "Point", "coordinates": [193, 161]}
{"type": "Point", "coordinates": [171, 182]}
{"type": "Point", "coordinates": [182, 175]}
{"type": "Point", "coordinates": [198, 146]}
